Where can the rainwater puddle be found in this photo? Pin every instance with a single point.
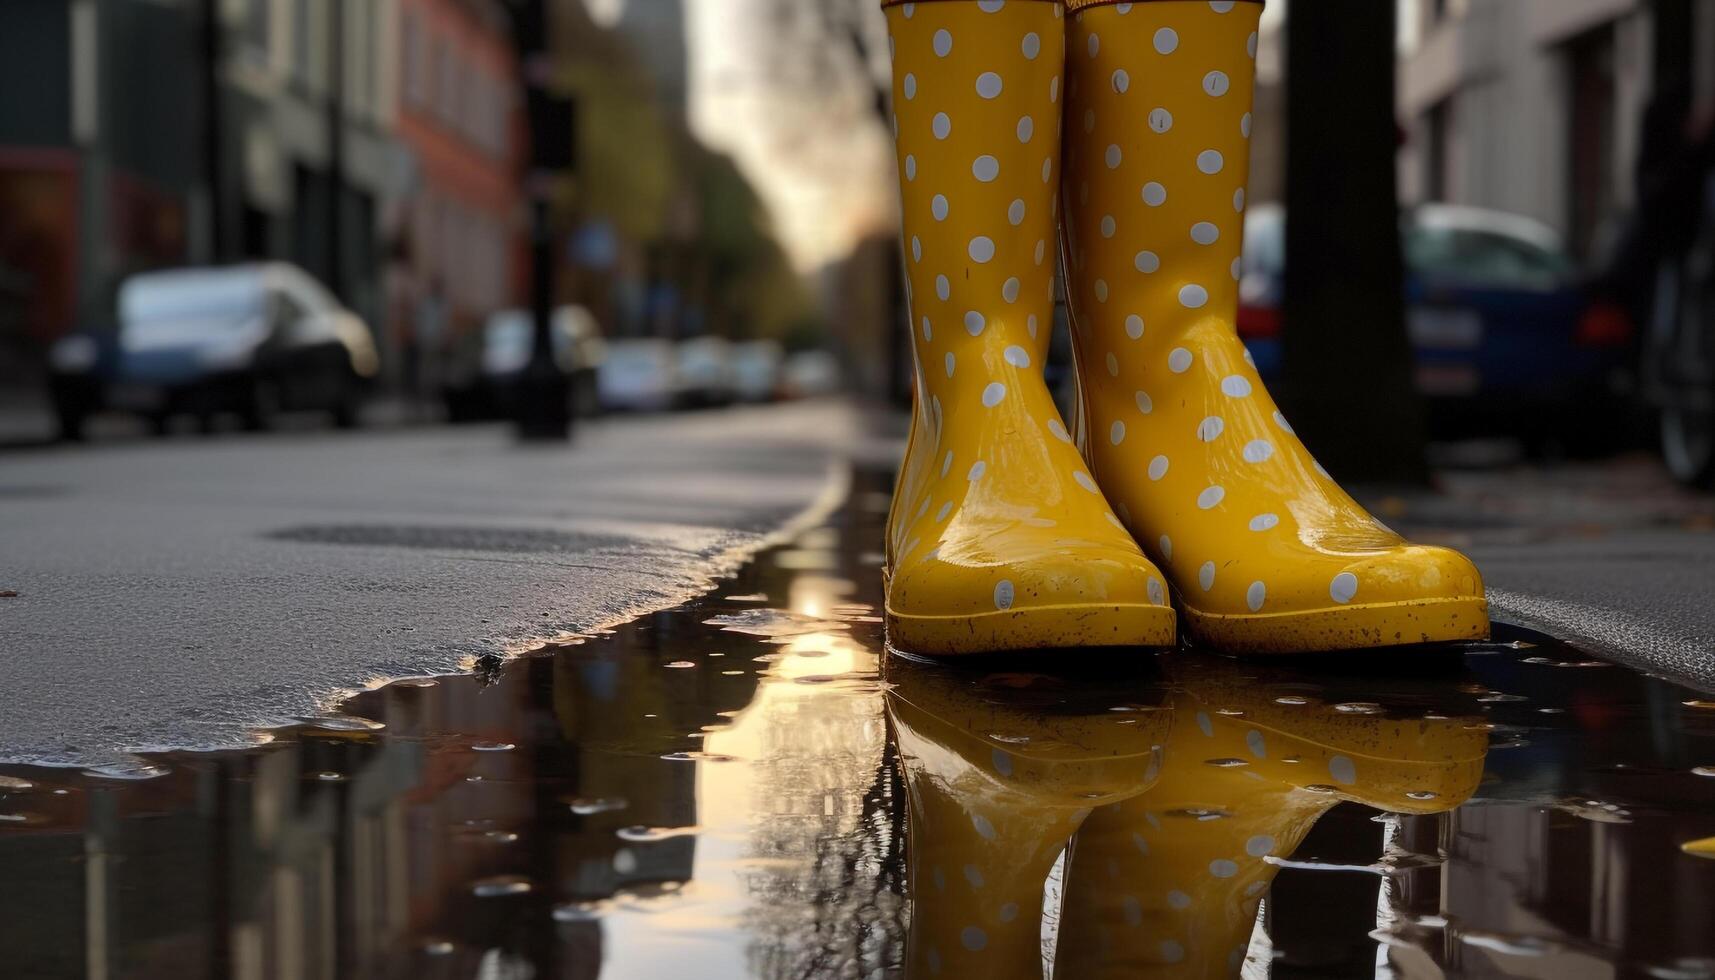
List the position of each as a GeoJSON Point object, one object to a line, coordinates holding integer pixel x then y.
{"type": "Point", "coordinates": [750, 787]}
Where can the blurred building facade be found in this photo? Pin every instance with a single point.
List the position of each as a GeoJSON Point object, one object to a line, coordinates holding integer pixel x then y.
{"type": "Point", "coordinates": [1536, 106]}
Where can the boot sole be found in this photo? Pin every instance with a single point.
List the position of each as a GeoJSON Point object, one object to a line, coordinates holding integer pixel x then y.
{"type": "Point", "coordinates": [1033, 628]}
{"type": "Point", "coordinates": [1359, 627]}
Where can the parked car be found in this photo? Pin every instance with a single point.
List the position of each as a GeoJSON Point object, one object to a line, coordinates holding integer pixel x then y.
{"type": "Point", "coordinates": [811, 373]}
{"type": "Point", "coordinates": [639, 374]}
{"type": "Point", "coordinates": [253, 340]}
{"type": "Point", "coordinates": [483, 378]}
{"type": "Point", "coordinates": [1507, 339]}
{"type": "Point", "coordinates": [756, 368]}
{"type": "Point", "coordinates": [705, 371]}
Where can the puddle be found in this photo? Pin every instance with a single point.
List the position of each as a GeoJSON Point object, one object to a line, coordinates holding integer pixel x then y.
{"type": "Point", "coordinates": [748, 787]}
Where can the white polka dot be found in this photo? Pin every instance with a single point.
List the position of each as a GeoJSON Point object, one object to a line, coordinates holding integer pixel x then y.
{"type": "Point", "coordinates": [1047, 169]}
{"type": "Point", "coordinates": [1178, 899]}
{"type": "Point", "coordinates": [992, 6]}
{"type": "Point", "coordinates": [941, 125]}
{"type": "Point", "coordinates": [1083, 479]}
{"type": "Point", "coordinates": [1113, 365]}
{"type": "Point", "coordinates": [1095, 44]}
{"type": "Point", "coordinates": [974, 939]}
{"type": "Point", "coordinates": [1113, 156]}
{"type": "Point", "coordinates": [1032, 46]}
{"type": "Point", "coordinates": [1265, 522]}
{"type": "Point", "coordinates": [1016, 356]}
{"type": "Point", "coordinates": [1015, 213]}
{"type": "Point", "coordinates": [910, 168]}
{"type": "Point", "coordinates": [1160, 120]}
{"type": "Point", "coordinates": [943, 288]}
{"type": "Point", "coordinates": [1259, 846]}
{"type": "Point", "coordinates": [1255, 742]}
{"type": "Point", "coordinates": [1116, 432]}
{"type": "Point", "coordinates": [993, 394]}
{"type": "Point", "coordinates": [1256, 595]}
{"type": "Point", "coordinates": [928, 331]}
{"type": "Point", "coordinates": [1193, 297]}
{"type": "Point", "coordinates": [985, 168]}
{"type": "Point", "coordinates": [1122, 81]}
{"type": "Point", "coordinates": [1215, 83]}
{"type": "Point", "coordinates": [1040, 246]}
{"type": "Point", "coordinates": [1237, 271]}
{"type": "Point", "coordinates": [1223, 868]}
{"type": "Point", "coordinates": [1211, 497]}
{"type": "Point", "coordinates": [974, 875]}
{"type": "Point", "coordinates": [1205, 233]}
{"type": "Point", "coordinates": [916, 249]}
{"type": "Point", "coordinates": [1108, 226]}
{"type": "Point", "coordinates": [978, 468]}
{"type": "Point", "coordinates": [1221, 6]}
{"type": "Point", "coordinates": [1158, 467]}
{"type": "Point", "coordinates": [1009, 290]}
{"type": "Point", "coordinates": [1245, 126]}
{"type": "Point", "coordinates": [974, 323]}
{"type": "Point", "coordinates": [1344, 587]}
{"type": "Point", "coordinates": [1239, 199]}
{"type": "Point", "coordinates": [1258, 451]}
{"type": "Point", "coordinates": [1166, 40]}
{"type": "Point", "coordinates": [1179, 360]}
{"type": "Point", "coordinates": [946, 508]}
{"type": "Point", "coordinates": [1054, 89]}
{"type": "Point", "coordinates": [938, 207]}
{"type": "Point", "coordinates": [1030, 326]}
{"type": "Point", "coordinates": [1210, 161]}
{"type": "Point", "coordinates": [1157, 593]}
{"type": "Point", "coordinates": [1344, 771]}
{"type": "Point", "coordinates": [949, 368]}
{"type": "Point", "coordinates": [1026, 129]}
{"type": "Point", "coordinates": [1235, 386]}
{"type": "Point", "coordinates": [1211, 428]}
{"type": "Point", "coordinates": [1280, 420]}
{"type": "Point", "coordinates": [1166, 544]}
{"type": "Point", "coordinates": [981, 249]}
{"type": "Point", "coordinates": [1145, 404]}
{"type": "Point", "coordinates": [1154, 194]}
{"type": "Point", "coordinates": [1250, 45]}
{"type": "Point", "coordinates": [1206, 576]}
{"type": "Point", "coordinates": [1101, 290]}
{"type": "Point", "coordinates": [947, 460]}
{"type": "Point", "coordinates": [1003, 593]}
{"type": "Point", "coordinates": [1058, 431]}
{"type": "Point", "coordinates": [1134, 327]}
{"type": "Point", "coordinates": [943, 43]}
{"type": "Point", "coordinates": [1147, 262]}
{"type": "Point", "coordinates": [910, 86]}
{"type": "Point", "coordinates": [1172, 951]}
{"type": "Point", "coordinates": [989, 85]}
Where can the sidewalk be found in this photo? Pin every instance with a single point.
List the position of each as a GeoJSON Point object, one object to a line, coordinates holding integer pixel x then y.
{"type": "Point", "coordinates": [180, 592]}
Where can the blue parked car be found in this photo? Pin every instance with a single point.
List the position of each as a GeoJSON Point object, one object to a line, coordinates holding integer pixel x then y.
{"type": "Point", "coordinates": [1508, 340]}
{"type": "Point", "coordinates": [251, 340]}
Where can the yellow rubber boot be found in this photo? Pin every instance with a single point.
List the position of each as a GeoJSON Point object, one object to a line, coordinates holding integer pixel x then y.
{"type": "Point", "coordinates": [999, 538]}
{"type": "Point", "coordinates": [1265, 552]}
{"type": "Point", "coordinates": [1167, 884]}
{"type": "Point", "coordinates": [995, 790]}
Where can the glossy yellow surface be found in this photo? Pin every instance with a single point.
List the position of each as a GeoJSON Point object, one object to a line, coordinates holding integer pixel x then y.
{"type": "Point", "coordinates": [1171, 812]}
{"type": "Point", "coordinates": [1264, 550]}
{"type": "Point", "coordinates": [999, 537]}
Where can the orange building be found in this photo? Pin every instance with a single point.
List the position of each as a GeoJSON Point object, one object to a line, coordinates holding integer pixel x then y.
{"type": "Point", "coordinates": [459, 239]}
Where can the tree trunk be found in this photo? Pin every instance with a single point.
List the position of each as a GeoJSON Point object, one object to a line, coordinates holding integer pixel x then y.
{"type": "Point", "coordinates": [1349, 374]}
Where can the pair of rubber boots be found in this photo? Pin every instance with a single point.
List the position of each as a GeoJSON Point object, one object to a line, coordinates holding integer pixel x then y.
{"type": "Point", "coordinates": [1178, 480]}
{"type": "Point", "coordinates": [1178, 811]}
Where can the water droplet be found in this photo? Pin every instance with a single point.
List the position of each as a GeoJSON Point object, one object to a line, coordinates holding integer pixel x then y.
{"type": "Point", "coordinates": [1291, 699]}
{"type": "Point", "coordinates": [679, 664]}
{"type": "Point", "coordinates": [642, 834]}
{"type": "Point", "coordinates": [344, 723]}
{"type": "Point", "coordinates": [500, 886]}
{"type": "Point", "coordinates": [1358, 708]}
{"type": "Point", "coordinates": [587, 806]}
{"type": "Point", "coordinates": [492, 747]}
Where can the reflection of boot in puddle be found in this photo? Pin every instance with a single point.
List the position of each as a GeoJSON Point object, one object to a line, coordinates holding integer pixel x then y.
{"type": "Point", "coordinates": [1000, 770]}
{"type": "Point", "coordinates": [1168, 883]}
